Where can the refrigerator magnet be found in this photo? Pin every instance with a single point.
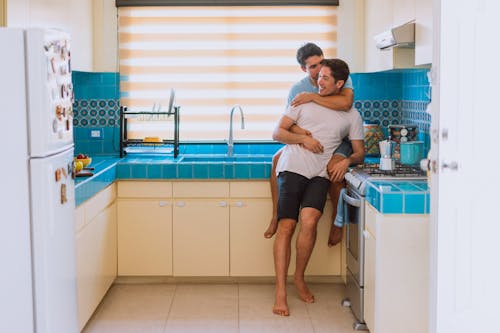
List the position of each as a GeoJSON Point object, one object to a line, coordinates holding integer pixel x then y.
{"type": "Point", "coordinates": [64, 196]}
{"type": "Point", "coordinates": [58, 175]}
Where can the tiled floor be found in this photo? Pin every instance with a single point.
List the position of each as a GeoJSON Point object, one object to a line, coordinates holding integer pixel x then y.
{"type": "Point", "coordinates": [238, 307]}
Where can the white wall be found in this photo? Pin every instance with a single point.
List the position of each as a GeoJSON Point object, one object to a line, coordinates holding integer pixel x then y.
{"type": "Point", "coordinates": [73, 16]}
{"type": "Point", "coordinates": [105, 36]}
{"type": "Point", "coordinates": [93, 27]}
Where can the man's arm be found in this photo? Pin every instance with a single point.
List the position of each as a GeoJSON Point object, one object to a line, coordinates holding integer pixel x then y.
{"type": "Point", "coordinates": [340, 102]}
{"type": "Point", "coordinates": [283, 134]}
{"type": "Point", "coordinates": [338, 170]}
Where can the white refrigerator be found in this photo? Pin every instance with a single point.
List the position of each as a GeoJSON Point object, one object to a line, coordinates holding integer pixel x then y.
{"type": "Point", "coordinates": [37, 239]}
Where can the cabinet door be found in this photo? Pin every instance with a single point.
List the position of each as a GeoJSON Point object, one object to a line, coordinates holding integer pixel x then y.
{"type": "Point", "coordinates": [369, 289]}
{"type": "Point", "coordinates": [423, 32]}
{"type": "Point", "coordinates": [251, 254]}
{"type": "Point", "coordinates": [110, 253]}
{"type": "Point", "coordinates": [95, 261]}
{"type": "Point", "coordinates": [201, 237]}
{"type": "Point", "coordinates": [144, 237]}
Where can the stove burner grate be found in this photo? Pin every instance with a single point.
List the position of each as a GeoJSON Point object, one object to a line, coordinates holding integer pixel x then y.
{"type": "Point", "coordinates": [400, 171]}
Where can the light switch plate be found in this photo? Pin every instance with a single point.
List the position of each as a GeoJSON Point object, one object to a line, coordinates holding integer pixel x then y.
{"type": "Point", "coordinates": [95, 133]}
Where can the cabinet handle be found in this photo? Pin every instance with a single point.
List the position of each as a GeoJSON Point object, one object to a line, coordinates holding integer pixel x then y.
{"type": "Point", "coordinates": [162, 203]}
{"type": "Point", "coordinates": [180, 204]}
{"type": "Point", "coordinates": [222, 204]}
{"type": "Point", "coordinates": [239, 204]}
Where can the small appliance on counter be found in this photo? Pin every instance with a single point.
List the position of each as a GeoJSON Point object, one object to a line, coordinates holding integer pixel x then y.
{"type": "Point", "coordinates": [402, 133]}
{"type": "Point", "coordinates": [387, 154]}
{"type": "Point", "coordinates": [411, 152]}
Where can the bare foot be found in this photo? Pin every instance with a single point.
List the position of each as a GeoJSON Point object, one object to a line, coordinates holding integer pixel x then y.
{"type": "Point", "coordinates": [271, 229]}
{"type": "Point", "coordinates": [335, 235]}
{"type": "Point", "coordinates": [303, 291]}
{"type": "Point", "coordinates": [280, 305]}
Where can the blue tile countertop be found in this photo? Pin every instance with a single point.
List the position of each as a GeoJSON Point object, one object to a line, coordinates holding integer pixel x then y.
{"type": "Point", "coordinates": [104, 175]}
{"type": "Point", "coordinates": [388, 197]}
{"type": "Point", "coordinates": [107, 169]}
{"type": "Point", "coordinates": [399, 196]}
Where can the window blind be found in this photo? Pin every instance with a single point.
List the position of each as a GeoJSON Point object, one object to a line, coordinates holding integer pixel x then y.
{"type": "Point", "coordinates": [214, 58]}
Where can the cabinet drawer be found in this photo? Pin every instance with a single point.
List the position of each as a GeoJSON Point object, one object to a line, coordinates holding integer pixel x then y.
{"type": "Point", "coordinates": [138, 189]}
{"type": "Point", "coordinates": [250, 189]}
{"type": "Point", "coordinates": [99, 201]}
{"type": "Point", "coordinates": [200, 189]}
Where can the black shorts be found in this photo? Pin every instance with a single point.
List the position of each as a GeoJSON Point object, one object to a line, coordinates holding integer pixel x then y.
{"type": "Point", "coordinates": [344, 149]}
{"type": "Point", "coordinates": [296, 191]}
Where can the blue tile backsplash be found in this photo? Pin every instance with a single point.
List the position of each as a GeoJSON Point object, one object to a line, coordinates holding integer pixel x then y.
{"type": "Point", "coordinates": [96, 108]}
{"type": "Point", "coordinates": [395, 97]}
{"type": "Point", "coordinates": [390, 97]}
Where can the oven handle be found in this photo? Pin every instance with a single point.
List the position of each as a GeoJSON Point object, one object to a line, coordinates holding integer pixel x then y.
{"type": "Point", "coordinates": [350, 200]}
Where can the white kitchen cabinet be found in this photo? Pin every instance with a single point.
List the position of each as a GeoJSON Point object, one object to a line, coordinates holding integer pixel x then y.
{"type": "Point", "coordinates": [252, 254]}
{"type": "Point", "coordinates": [215, 229]}
{"type": "Point", "coordinates": [396, 272]}
{"type": "Point", "coordinates": [144, 237]}
{"type": "Point", "coordinates": [144, 228]}
{"type": "Point", "coordinates": [423, 32]}
{"type": "Point", "coordinates": [403, 11]}
{"type": "Point", "coordinates": [96, 256]}
{"type": "Point", "coordinates": [377, 21]}
{"type": "Point", "coordinates": [251, 209]}
{"type": "Point", "coordinates": [201, 229]}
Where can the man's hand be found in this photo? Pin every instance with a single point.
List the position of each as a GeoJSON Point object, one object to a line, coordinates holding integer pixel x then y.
{"type": "Point", "coordinates": [337, 169]}
{"type": "Point", "coordinates": [302, 98]}
{"type": "Point", "coordinates": [312, 144]}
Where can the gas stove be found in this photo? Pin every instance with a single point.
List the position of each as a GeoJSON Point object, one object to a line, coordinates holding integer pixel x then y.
{"type": "Point", "coordinates": [357, 176]}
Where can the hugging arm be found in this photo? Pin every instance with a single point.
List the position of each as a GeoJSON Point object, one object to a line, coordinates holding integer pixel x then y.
{"type": "Point", "coordinates": [283, 134]}
{"type": "Point", "coordinates": [340, 102]}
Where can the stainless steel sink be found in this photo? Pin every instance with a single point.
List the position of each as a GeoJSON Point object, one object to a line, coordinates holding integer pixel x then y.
{"type": "Point", "coordinates": [224, 158]}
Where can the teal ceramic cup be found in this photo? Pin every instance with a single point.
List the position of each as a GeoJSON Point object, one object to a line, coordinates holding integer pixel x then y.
{"type": "Point", "coordinates": [411, 152]}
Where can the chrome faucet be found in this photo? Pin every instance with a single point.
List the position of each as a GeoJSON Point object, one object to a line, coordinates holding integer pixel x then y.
{"type": "Point", "coordinates": [230, 144]}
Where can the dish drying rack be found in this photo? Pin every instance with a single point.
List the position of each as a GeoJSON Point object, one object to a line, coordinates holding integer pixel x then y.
{"type": "Point", "coordinates": [162, 145]}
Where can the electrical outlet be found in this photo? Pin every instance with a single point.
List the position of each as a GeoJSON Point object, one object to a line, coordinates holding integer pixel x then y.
{"type": "Point", "coordinates": [96, 134]}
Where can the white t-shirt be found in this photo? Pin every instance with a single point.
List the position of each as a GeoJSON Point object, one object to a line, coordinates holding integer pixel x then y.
{"type": "Point", "coordinates": [328, 127]}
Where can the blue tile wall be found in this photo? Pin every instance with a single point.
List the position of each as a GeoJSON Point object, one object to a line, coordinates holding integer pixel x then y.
{"type": "Point", "coordinates": [389, 97]}
{"type": "Point", "coordinates": [96, 107]}
{"type": "Point", "coordinates": [394, 97]}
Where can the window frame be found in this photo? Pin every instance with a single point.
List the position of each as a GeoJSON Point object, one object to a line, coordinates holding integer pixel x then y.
{"type": "Point", "coordinates": [138, 3]}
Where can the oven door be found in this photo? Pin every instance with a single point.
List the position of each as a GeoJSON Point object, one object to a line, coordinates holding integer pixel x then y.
{"type": "Point", "coordinates": [354, 219]}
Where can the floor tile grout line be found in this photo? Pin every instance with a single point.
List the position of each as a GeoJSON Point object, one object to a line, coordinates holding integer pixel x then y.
{"type": "Point", "coordinates": [170, 308]}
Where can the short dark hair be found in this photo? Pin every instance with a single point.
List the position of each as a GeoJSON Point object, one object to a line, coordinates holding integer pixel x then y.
{"type": "Point", "coordinates": [338, 67]}
{"type": "Point", "coordinates": [308, 50]}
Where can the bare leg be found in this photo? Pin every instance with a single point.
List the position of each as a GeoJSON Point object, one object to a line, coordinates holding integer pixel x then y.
{"type": "Point", "coordinates": [273, 181]}
{"type": "Point", "coordinates": [335, 235]}
{"type": "Point", "coordinates": [282, 252]}
{"type": "Point", "coordinates": [305, 244]}
{"type": "Point", "coordinates": [335, 232]}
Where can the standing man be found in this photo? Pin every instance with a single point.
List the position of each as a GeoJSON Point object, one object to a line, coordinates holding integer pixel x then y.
{"type": "Point", "coordinates": [303, 181]}
{"type": "Point", "coordinates": [309, 56]}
